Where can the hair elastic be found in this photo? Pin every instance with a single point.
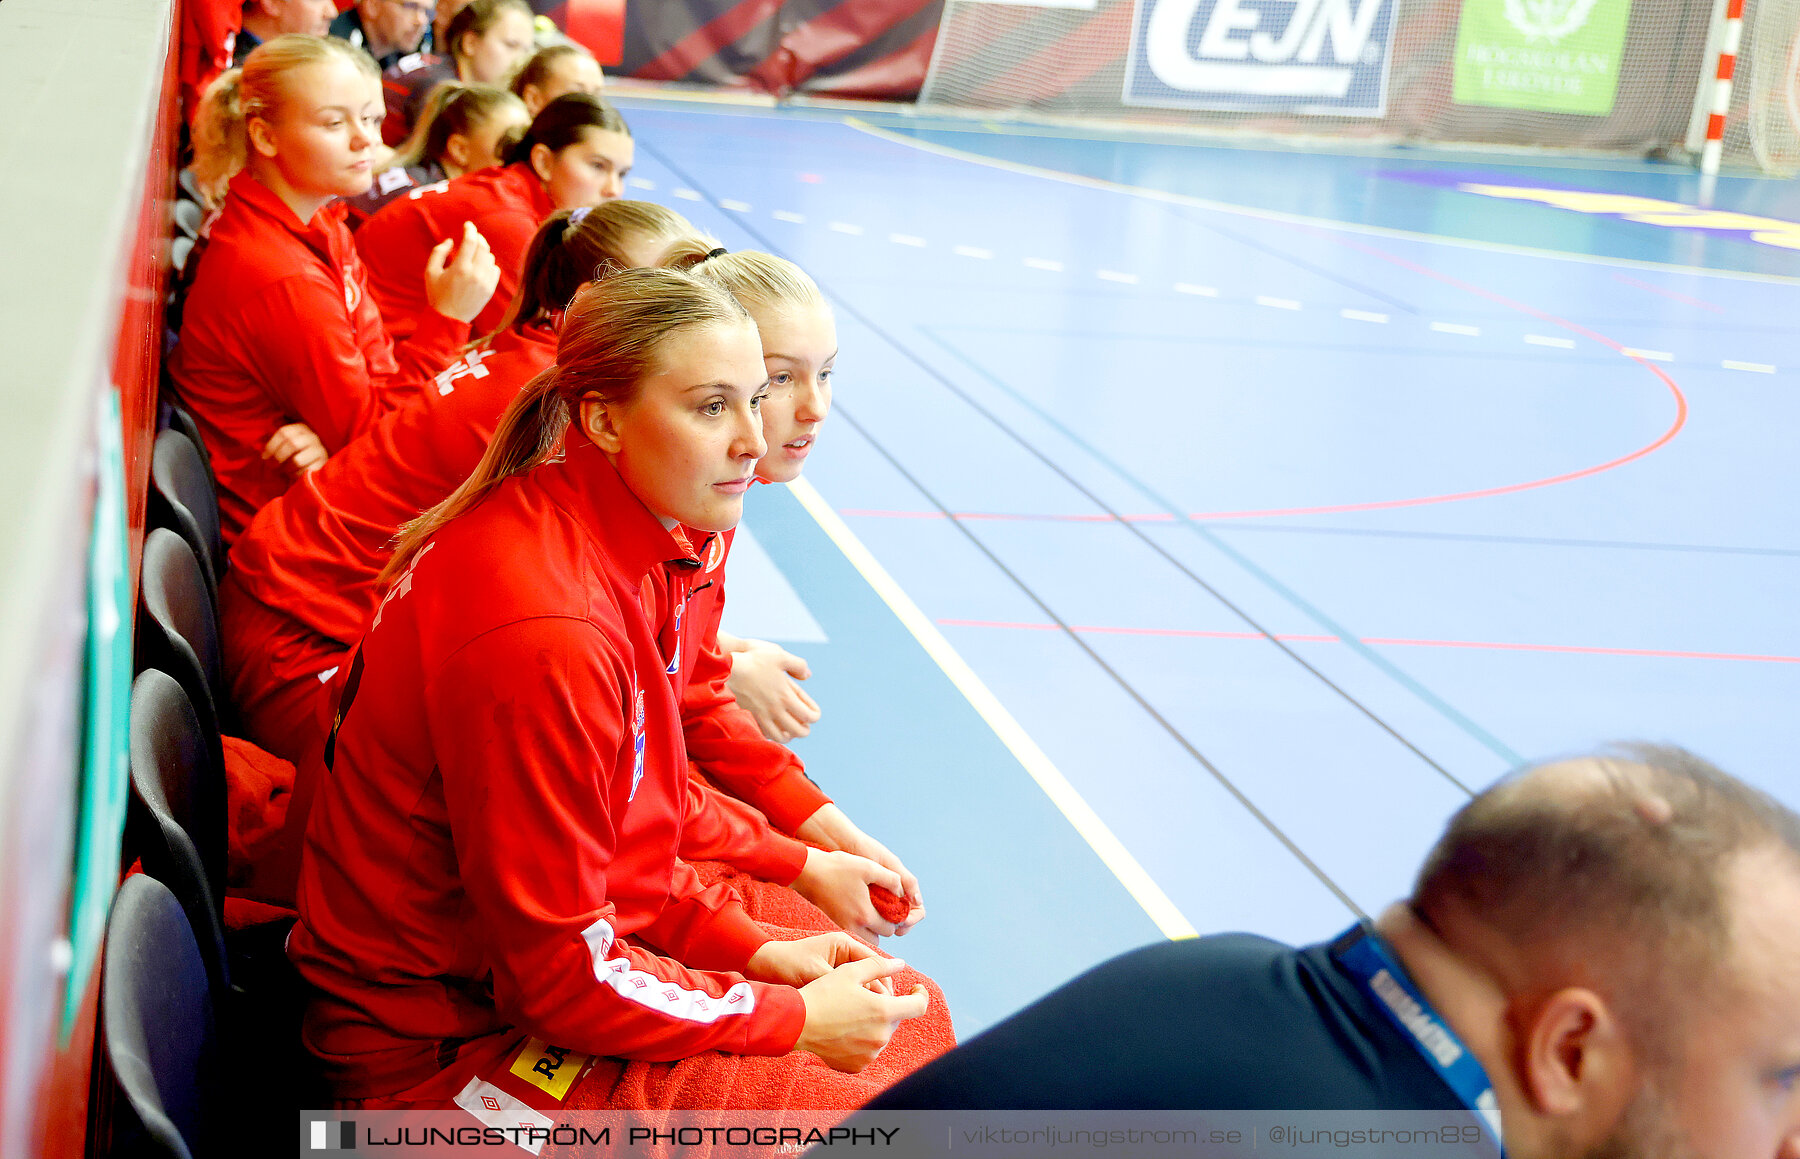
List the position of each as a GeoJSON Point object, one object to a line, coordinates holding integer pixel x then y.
{"type": "Point", "coordinates": [577, 214]}
{"type": "Point", "coordinates": [718, 253]}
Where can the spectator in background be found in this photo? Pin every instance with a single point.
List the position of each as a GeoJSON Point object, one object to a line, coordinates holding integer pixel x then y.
{"type": "Point", "coordinates": [485, 42]}
{"type": "Point", "coordinates": [264, 19]}
{"type": "Point", "coordinates": [1600, 951]}
{"type": "Point", "coordinates": [556, 71]}
{"type": "Point", "coordinates": [440, 24]}
{"type": "Point", "coordinates": [462, 128]}
{"type": "Point", "coordinates": [386, 29]}
{"type": "Point", "coordinates": [576, 152]}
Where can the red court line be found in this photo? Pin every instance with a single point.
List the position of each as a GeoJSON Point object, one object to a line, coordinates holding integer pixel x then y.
{"type": "Point", "coordinates": [1681, 406]}
{"type": "Point", "coordinates": [1391, 641]}
{"type": "Point", "coordinates": [1685, 299]}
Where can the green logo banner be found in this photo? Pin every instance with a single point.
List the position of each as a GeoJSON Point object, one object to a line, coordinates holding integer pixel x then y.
{"type": "Point", "coordinates": [1551, 56]}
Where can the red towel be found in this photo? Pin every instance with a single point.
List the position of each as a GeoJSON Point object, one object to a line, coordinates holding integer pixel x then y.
{"type": "Point", "coordinates": [797, 1081]}
{"type": "Point", "coordinates": [257, 787]}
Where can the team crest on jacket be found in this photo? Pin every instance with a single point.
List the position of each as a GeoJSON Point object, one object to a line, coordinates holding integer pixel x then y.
{"type": "Point", "coordinates": [715, 552]}
{"type": "Point", "coordinates": [637, 744]}
{"type": "Point", "coordinates": [352, 291]}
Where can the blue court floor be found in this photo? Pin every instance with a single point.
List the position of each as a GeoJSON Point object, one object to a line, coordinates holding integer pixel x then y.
{"type": "Point", "coordinates": [1197, 527]}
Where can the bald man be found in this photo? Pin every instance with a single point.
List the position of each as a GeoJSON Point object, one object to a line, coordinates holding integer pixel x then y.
{"type": "Point", "coordinates": [1605, 951]}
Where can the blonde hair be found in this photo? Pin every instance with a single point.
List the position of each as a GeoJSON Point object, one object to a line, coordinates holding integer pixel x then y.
{"type": "Point", "coordinates": [612, 338]}
{"type": "Point", "coordinates": [452, 107]}
{"type": "Point", "coordinates": [221, 126]}
{"type": "Point", "coordinates": [536, 68]}
{"type": "Point", "coordinates": [758, 281]}
{"type": "Point", "coordinates": [576, 246]}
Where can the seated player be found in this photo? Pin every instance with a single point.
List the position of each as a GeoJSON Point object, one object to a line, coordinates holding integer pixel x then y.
{"type": "Point", "coordinates": [799, 339]}
{"type": "Point", "coordinates": [301, 588]}
{"type": "Point", "coordinates": [1598, 957]}
{"type": "Point", "coordinates": [494, 853]}
{"type": "Point", "coordinates": [461, 129]}
{"type": "Point", "coordinates": [282, 357]}
{"type": "Point", "coordinates": [576, 153]}
{"type": "Point", "coordinates": [554, 72]}
{"type": "Point", "coordinates": [483, 44]}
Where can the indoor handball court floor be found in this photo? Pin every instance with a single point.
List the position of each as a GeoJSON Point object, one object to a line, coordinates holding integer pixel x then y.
{"type": "Point", "coordinates": [1197, 526]}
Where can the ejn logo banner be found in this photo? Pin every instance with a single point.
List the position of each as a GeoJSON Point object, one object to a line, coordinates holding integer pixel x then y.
{"type": "Point", "coordinates": [1314, 57]}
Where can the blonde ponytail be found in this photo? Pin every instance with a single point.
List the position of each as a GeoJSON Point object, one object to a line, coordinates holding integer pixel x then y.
{"type": "Point", "coordinates": [611, 339]}
{"type": "Point", "coordinates": [220, 143]}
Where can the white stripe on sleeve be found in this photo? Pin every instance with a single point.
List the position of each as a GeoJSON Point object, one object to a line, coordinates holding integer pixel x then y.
{"type": "Point", "coordinates": [660, 994]}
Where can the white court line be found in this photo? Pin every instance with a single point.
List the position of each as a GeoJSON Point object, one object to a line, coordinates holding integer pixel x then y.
{"type": "Point", "coordinates": [1116, 276]}
{"type": "Point", "coordinates": [1277, 303]}
{"type": "Point", "coordinates": [906, 239]}
{"type": "Point", "coordinates": [971, 251]}
{"type": "Point", "coordinates": [735, 206]}
{"type": "Point", "coordinates": [1197, 291]}
{"type": "Point", "coordinates": [789, 215]}
{"type": "Point", "coordinates": [1044, 264]}
{"type": "Point", "coordinates": [1149, 194]}
{"type": "Point", "coordinates": [1550, 340]}
{"type": "Point", "coordinates": [689, 195]}
{"type": "Point", "coordinates": [640, 183]}
{"type": "Point", "coordinates": [846, 227]}
{"type": "Point", "coordinates": [1652, 355]}
{"type": "Point", "coordinates": [1136, 880]}
{"type": "Point", "coordinates": [1752, 367]}
{"type": "Point", "coordinates": [1362, 315]}
{"type": "Point", "coordinates": [1456, 328]}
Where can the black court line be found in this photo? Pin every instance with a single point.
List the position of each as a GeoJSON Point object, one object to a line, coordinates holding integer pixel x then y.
{"type": "Point", "coordinates": [1117, 677]}
{"type": "Point", "coordinates": [1061, 472]}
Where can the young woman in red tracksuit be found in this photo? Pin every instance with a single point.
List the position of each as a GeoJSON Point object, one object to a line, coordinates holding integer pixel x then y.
{"type": "Point", "coordinates": [461, 129]}
{"type": "Point", "coordinates": [799, 340]}
{"type": "Point", "coordinates": [301, 588]}
{"type": "Point", "coordinates": [576, 153]}
{"type": "Point", "coordinates": [282, 357]}
{"type": "Point", "coordinates": [496, 848]}
{"type": "Point", "coordinates": [484, 43]}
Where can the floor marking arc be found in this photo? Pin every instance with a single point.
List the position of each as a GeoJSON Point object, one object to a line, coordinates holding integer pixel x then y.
{"type": "Point", "coordinates": [1105, 844]}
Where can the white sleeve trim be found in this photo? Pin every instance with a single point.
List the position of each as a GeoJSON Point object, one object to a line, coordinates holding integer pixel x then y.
{"type": "Point", "coordinates": [660, 994]}
{"type": "Point", "coordinates": [495, 1108]}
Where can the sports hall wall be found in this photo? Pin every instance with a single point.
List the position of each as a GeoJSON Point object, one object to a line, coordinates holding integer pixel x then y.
{"type": "Point", "coordinates": [85, 174]}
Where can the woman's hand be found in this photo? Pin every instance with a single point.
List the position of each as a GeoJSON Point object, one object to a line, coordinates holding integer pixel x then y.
{"type": "Point", "coordinates": [459, 287]}
{"type": "Point", "coordinates": [799, 962]}
{"type": "Point", "coordinates": [831, 828]}
{"type": "Point", "coordinates": [762, 679]}
{"type": "Point", "coordinates": [296, 449]}
{"type": "Point", "coordinates": [838, 883]}
{"type": "Point", "coordinates": [852, 1012]}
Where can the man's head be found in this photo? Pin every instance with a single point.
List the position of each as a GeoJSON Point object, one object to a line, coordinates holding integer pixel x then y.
{"type": "Point", "coordinates": [394, 25]}
{"type": "Point", "coordinates": [1640, 913]}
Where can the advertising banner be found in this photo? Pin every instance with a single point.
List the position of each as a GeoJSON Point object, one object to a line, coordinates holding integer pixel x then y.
{"type": "Point", "coordinates": [1320, 57]}
{"type": "Point", "coordinates": [1551, 56]}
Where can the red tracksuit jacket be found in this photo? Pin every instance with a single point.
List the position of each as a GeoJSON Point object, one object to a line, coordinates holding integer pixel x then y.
{"type": "Point", "coordinates": [507, 204]}
{"type": "Point", "coordinates": [278, 329]}
{"type": "Point", "coordinates": [721, 737]}
{"type": "Point", "coordinates": [301, 590]}
{"type": "Point", "coordinates": [508, 795]}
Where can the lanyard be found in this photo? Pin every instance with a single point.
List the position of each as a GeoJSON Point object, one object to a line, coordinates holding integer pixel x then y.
{"type": "Point", "coordinates": [1361, 951]}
